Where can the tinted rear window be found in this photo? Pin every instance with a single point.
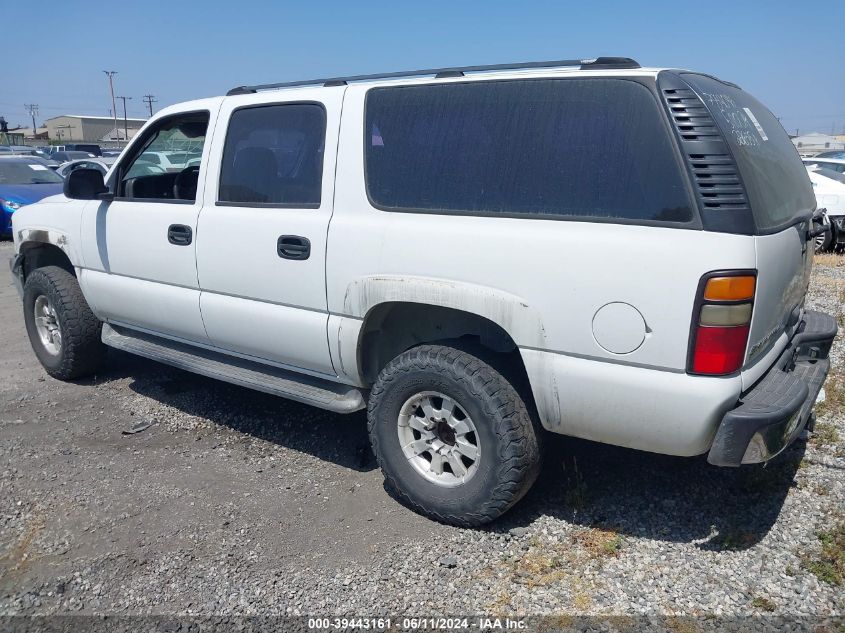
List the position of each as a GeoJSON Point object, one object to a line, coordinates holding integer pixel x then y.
{"type": "Point", "coordinates": [594, 148]}
{"type": "Point", "coordinates": [774, 176]}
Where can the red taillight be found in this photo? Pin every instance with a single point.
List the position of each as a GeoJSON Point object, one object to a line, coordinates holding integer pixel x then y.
{"type": "Point", "coordinates": [722, 320]}
{"type": "Point", "coordinates": [719, 350]}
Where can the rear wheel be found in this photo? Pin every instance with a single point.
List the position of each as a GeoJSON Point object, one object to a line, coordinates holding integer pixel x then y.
{"type": "Point", "coordinates": [454, 439]}
{"type": "Point", "coordinates": [64, 333]}
{"type": "Point", "coordinates": [826, 240]}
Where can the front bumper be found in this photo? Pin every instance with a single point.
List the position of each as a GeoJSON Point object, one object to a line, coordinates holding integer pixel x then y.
{"type": "Point", "coordinates": [16, 267]}
{"type": "Point", "coordinates": [774, 412]}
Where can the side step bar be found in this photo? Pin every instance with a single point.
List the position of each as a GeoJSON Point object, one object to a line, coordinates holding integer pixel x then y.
{"type": "Point", "coordinates": [278, 382]}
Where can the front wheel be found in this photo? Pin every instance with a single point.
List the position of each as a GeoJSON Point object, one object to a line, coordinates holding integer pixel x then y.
{"type": "Point", "coordinates": [454, 439]}
{"type": "Point", "coordinates": [64, 333]}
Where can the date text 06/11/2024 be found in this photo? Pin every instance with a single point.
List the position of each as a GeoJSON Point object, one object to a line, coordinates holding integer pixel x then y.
{"type": "Point", "coordinates": [416, 624]}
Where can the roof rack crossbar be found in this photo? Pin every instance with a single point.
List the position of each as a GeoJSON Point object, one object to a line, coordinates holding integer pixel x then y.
{"type": "Point", "coordinates": [583, 64]}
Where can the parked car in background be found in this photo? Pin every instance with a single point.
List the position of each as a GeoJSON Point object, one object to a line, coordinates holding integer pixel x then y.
{"type": "Point", "coordinates": [170, 161]}
{"type": "Point", "coordinates": [67, 155]}
{"type": "Point", "coordinates": [831, 164]}
{"type": "Point", "coordinates": [91, 148]}
{"type": "Point", "coordinates": [24, 150]}
{"type": "Point", "coordinates": [832, 154]}
{"type": "Point", "coordinates": [829, 189]}
{"type": "Point", "coordinates": [24, 180]}
{"type": "Point", "coordinates": [101, 164]}
{"type": "Point", "coordinates": [52, 164]}
{"type": "Point", "coordinates": [110, 152]}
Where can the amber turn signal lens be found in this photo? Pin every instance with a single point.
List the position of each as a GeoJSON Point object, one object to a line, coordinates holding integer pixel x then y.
{"type": "Point", "coordinates": [730, 288]}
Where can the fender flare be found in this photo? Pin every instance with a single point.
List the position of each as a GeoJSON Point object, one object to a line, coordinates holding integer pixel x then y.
{"type": "Point", "coordinates": [31, 238]}
{"type": "Point", "coordinates": [510, 312]}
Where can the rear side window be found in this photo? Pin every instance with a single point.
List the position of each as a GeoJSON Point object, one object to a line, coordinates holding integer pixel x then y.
{"type": "Point", "coordinates": [581, 148]}
{"type": "Point", "coordinates": [776, 180]}
{"type": "Point", "coordinates": [274, 156]}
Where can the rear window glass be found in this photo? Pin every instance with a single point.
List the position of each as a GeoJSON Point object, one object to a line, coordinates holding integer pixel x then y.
{"type": "Point", "coordinates": [776, 180]}
{"type": "Point", "coordinates": [593, 148]}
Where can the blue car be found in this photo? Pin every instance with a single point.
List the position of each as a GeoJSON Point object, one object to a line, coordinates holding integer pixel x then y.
{"type": "Point", "coordinates": [24, 180]}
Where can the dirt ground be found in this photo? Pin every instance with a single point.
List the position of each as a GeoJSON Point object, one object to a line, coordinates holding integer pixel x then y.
{"type": "Point", "coordinates": [230, 490]}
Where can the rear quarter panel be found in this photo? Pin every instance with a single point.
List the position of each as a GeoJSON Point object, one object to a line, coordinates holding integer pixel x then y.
{"type": "Point", "coordinates": [556, 276]}
{"type": "Point", "coordinates": [563, 271]}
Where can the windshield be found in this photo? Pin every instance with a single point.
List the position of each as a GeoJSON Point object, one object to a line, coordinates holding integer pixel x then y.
{"type": "Point", "coordinates": [774, 176]}
{"type": "Point", "coordinates": [25, 173]}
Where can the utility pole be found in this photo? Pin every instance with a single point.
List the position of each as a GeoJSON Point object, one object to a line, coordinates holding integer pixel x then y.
{"type": "Point", "coordinates": [111, 74]}
{"type": "Point", "coordinates": [33, 110]}
{"type": "Point", "coordinates": [150, 101]}
{"type": "Point", "coordinates": [125, 127]}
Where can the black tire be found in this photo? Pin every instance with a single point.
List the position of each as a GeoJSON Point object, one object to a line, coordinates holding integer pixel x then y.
{"type": "Point", "coordinates": [81, 352]}
{"type": "Point", "coordinates": [508, 437]}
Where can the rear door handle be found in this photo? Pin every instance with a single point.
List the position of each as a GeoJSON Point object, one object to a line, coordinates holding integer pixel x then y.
{"type": "Point", "coordinates": [293, 247]}
{"type": "Point", "coordinates": [179, 234]}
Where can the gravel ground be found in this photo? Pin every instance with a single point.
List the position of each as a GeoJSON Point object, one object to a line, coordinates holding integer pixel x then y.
{"type": "Point", "coordinates": [233, 502]}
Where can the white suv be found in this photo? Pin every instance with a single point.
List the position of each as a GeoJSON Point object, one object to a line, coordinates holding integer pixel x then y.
{"type": "Point", "coordinates": [476, 255]}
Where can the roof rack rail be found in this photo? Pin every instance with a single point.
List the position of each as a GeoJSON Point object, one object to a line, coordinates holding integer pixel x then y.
{"type": "Point", "coordinates": [455, 71]}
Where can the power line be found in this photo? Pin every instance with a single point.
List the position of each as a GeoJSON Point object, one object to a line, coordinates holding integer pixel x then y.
{"type": "Point", "coordinates": [150, 101]}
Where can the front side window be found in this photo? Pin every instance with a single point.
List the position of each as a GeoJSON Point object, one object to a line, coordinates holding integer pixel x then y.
{"type": "Point", "coordinates": [588, 148]}
{"type": "Point", "coordinates": [274, 156]}
{"type": "Point", "coordinates": [159, 169]}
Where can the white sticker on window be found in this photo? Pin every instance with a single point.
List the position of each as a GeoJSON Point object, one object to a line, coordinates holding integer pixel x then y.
{"type": "Point", "coordinates": [756, 123]}
{"type": "Point", "coordinates": [38, 167]}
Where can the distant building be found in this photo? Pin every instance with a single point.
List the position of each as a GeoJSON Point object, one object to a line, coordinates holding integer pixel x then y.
{"type": "Point", "coordinates": [25, 134]}
{"type": "Point", "coordinates": [74, 127]}
{"type": "Point", "coordinates": [817, 142]}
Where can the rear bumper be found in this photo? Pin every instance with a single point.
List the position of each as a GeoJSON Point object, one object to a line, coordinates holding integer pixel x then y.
{"type": "Point", "coordinates": [774, 412]}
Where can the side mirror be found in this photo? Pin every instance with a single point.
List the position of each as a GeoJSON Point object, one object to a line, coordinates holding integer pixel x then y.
{"type": "Point", "coordinates": [86, 184]}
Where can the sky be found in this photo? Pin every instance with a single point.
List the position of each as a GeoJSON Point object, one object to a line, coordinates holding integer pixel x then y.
{"type": "Point", "coordinates": [787, 53]}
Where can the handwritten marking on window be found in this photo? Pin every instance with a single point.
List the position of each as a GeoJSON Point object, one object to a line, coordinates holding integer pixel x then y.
{"type": "Point", "coordinates": [740, 124]}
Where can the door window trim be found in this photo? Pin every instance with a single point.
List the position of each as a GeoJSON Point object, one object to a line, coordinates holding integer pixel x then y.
{"type": "Point", "coordinates": [273, 205]}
